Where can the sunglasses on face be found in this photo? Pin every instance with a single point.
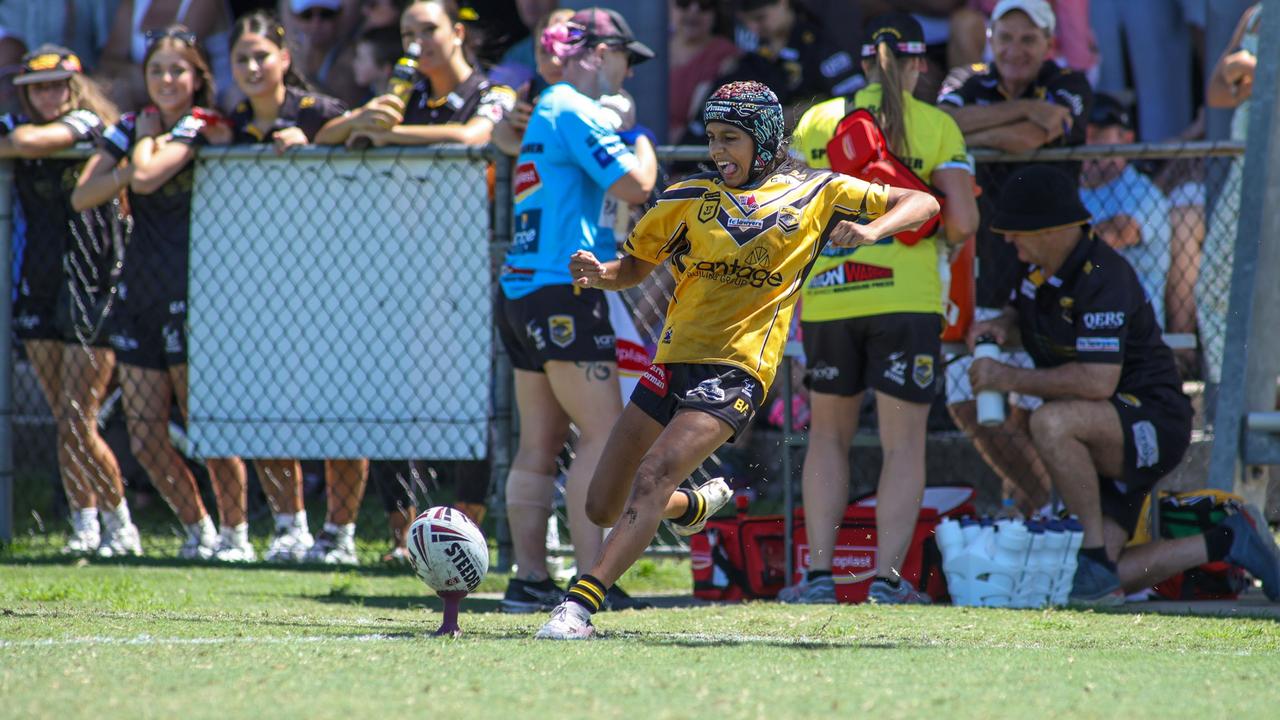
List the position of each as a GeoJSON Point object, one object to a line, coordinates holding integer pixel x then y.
{"type": "Point", "coordinates": [703, 5]}
{"type": "Point", "coordinates": [321, 13]}
{"type": "Point", "coordinates": [183, 36]}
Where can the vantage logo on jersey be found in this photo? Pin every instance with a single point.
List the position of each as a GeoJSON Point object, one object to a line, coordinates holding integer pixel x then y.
{"type": "Point", "coordinates": [528, 181]}
{"type": "Point", "coordinates": [737, 274]}
{"type": "Point", "coordinates": [852, 273]}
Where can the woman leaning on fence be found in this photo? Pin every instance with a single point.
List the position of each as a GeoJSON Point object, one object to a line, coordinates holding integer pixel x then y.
{"type": "Point", "coordinates": [280, 109]}
{"type": "Point", "coordinates": [151, 154]}
{"type": "Point", "coordinates": [452, 101]}
{"type": "Point", "coordinates": [66, 287]}
{"type": "Point", "coordinates": [883, 336]}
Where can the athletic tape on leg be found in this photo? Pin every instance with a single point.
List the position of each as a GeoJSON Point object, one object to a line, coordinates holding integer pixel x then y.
{"type": "Point", "coordinates": [527, 489]}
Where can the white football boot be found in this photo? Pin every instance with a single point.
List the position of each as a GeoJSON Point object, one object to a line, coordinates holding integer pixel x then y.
{"type": "Point", "coordinates": [569, 621]}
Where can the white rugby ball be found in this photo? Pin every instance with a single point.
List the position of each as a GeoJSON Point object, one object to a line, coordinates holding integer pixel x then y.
{"type": "Point", "coordinates": [448, 551]}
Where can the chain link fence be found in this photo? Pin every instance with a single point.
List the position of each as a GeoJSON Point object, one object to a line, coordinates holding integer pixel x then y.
{"type": "Point", "coordinates": [340, 345]}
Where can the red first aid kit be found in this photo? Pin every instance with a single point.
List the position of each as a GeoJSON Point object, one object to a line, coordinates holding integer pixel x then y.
{"type": "Point", "coordinates": [744, 557]}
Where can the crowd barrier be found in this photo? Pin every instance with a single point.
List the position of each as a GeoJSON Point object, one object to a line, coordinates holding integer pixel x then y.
{"type": "Point", "coordinates": [340, 308]}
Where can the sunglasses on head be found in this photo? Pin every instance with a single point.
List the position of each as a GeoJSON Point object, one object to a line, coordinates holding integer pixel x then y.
{"type": "Point", "coordinates": [321, 13]}
{"type": "Point", "coordinates": [183, 36]}
{"type": "Point", "coordinates": [703, 5]}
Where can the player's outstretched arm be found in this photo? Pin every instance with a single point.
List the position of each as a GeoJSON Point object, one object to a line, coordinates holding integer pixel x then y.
{"type": "Point", "coordinates": [588, 272]}
{"type": "Point", "coordinates": [907, 210]}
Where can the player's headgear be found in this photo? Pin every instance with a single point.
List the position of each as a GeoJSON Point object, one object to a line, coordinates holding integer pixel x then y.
{"type": "Point", "coordinates": [752, 107]}
{"type": "Point", "coordinates": [1039, 198]}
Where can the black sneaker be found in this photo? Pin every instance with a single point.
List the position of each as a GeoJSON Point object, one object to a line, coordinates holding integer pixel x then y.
{"type": "Point", "coordinates": [523, 596]}
{"type": "Point", "coordinates": [618, 599]}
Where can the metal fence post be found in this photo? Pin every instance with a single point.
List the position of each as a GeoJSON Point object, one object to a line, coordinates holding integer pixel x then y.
{"type": "Point", "coordinates": [1252, 358]}
{"type": "Point", "coordinates": [6, 354]}
{"type": "Point", "coordinates": [502, 432]}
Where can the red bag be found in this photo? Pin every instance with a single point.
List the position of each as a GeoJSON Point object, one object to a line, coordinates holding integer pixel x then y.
{"type": "Point", "coordinates": [962, 295]}
{"type": "Point", "coordinates": [859, 148]}
{"type": "Point", "coordinates": [743, 557]}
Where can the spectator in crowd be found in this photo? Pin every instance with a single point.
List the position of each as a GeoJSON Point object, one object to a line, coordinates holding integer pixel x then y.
{"type": "Point", "coordinates": [724, 337]}
{"type": "Point", "coordinates": [507, 135]}
{"type": "Point", "coordinates": [66, 288]}
{"type": "Point", "coordinates": [1025, 101]}
{"type": "Point", "coordinates": [82, 26]}
{"type": "Point", "coordinates": [1153, 40]}
{"type": "Point", "coordinates": [696, 56]}
{"type": "Point", "coordinates": [519, 63]}
{"type": "Point", "coordinates": [1129, 211]}
{"type": "Point", "coordinates": [559, 337]}
{"type": "Point", "coordinates": [322, 53]}
{"type": "Point", "coordinates": [1183, 181]}
{"type": "Point", "coordinates": [1230, 86]}
{"type": "Point", "coordinates": [888, 340]}
{"type": "Point", "coordinates": [453, 101]}
{"type": "Point", "coordinates": [377, 51]}
{"type": "Point", "coordinates": [1074, 45]}
{"type": "Point", "coordinates": [149, 330]}
{"type": "Point", "coordinates": [1114, 420]}
{"type": "Point", "coordinates": [791, 56]}
{"type": "Point", "coordinates": [127, 44]}
{"type": "Point", "coordinates": [279, 109]}
{"type": "Point", "coordinates": [376, 14]}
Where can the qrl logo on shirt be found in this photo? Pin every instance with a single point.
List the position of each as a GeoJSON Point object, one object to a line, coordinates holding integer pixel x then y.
{"type": "Point", "coordinates": [528, 181]}
{"type": "Point", "coordinates": [1104, 320]}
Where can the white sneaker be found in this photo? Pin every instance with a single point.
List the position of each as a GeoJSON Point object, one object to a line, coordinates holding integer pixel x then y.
{"type": "Point", "coordinates": [234, 550]}
{"type": "Point", "coordinates": [818, 592]}
{"type": "Point", "coordinates": [569, 621]}
{"type": "Point", "coordinates": [82, 541]}
{"type": "Point", "coordinates": [121, 542]}
{"type": "Point", "coordinates": [331, 549]}
{"type": "Point", "coordinates": [290, 545]}
{"type": "Point", "coordinates": [715, 492]}
{"type": "Point", "coordinates": [201, 542]}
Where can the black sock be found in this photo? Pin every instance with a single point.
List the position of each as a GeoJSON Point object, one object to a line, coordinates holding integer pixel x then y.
{"type": "Point", "coordinates": [812, 575]}
{"type": "Point", "coordinates": [696, 511]}
{"type": "Point", "coordinates": [1099, 555]}
{"type": "Point", "coordinates": [587, 592]}
{"type": "Point", "coordinates": [893, 582]}
{"type": "Point", "coordinates": [1217, 542]}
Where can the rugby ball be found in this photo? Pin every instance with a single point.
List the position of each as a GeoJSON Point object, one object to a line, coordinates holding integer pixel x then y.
{"type": "Point", "coordinates": [447, 550]}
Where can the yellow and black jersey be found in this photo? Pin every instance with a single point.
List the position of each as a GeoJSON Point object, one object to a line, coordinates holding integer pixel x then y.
{"type": "Point", "coordinates": [739, 258]}
{"type": "Point", "coordinates": [888, 277]}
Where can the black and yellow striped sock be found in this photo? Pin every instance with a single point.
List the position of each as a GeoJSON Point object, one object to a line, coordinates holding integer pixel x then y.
{"type": "Point", "coordinates": [587, 592]}
{"type": "Point", "coordinates": [696, 511]}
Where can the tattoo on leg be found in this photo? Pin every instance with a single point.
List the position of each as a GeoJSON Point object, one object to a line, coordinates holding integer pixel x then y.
{"type": "Point", "coordinates": [631, 516]}
{"type": "Point", "coordinates": [596, 370]}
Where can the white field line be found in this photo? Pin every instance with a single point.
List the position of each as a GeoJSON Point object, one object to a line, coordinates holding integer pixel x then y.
{"type": "Point", "coordinates": [728, 639]}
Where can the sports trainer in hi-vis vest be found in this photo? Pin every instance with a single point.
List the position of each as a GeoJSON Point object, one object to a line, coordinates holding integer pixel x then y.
{"type": "Point", "coordinates": [1114, 419]}
{"type": "Point", "coordinates": [740, 242]}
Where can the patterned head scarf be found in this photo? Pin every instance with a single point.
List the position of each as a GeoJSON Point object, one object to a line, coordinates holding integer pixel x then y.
{"type": "Point", "coordinates": [754, 108]}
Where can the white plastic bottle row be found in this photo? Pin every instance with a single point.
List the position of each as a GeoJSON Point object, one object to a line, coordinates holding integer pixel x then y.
{"type": "Point", "coordinates": [1009, 563]}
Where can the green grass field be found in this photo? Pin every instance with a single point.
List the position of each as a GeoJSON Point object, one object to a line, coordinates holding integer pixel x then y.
{"type": "Point", "coordinates": [156, 638]}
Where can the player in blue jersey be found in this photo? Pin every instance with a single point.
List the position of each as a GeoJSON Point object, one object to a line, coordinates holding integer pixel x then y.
{"type": "Point", "coordinates": [559, 337]}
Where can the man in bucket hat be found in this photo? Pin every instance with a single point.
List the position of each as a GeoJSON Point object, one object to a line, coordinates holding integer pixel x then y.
{"type": "Point", "coordinates": [1114, 419]}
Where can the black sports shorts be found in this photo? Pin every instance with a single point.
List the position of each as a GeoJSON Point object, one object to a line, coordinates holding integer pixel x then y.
{"type": "Point", "coordinates": [151, 336]}
{"type": "Point", "coordinates": [1157, 433]}
{"type": "Point", "coordinates": [898, 354]}
{"type": "Point", "coordinates": [557, 322]}
{"type": "Point", "coordinates": [725, 392]}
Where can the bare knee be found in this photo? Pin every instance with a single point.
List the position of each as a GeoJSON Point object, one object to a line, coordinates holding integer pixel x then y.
{"type": "Point", "coordinates": [600, 510]}
{"type": "Point", "coordinates": [653, 482]}
{"type": "Point", "coordinates": [1050, 426]}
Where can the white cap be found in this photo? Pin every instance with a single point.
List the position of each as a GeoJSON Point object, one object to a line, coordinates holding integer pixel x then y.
{"type": "Point", "coordinates": [1040, 12]}
{"type": "Point", "coordinates": [300, 6]}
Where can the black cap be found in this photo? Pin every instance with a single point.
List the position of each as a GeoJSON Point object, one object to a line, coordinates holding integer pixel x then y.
{"type": "Point", "coordinates": [1038, 198]}
{"type": "Point", "coordinates": [901, 31]}
{"type": "Point", "coordinates": [46, 64]}
{"type": "Point", "coordinates": [1109, 110]}
{"type": "Point", "coordinates": [606, 25]}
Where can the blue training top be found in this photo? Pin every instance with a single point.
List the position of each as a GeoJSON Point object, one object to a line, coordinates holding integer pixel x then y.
{"type": "Point", "coordinates": [570, 156]}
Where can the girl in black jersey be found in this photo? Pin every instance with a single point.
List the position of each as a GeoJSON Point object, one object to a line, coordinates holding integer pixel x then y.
{"type": "Point", "coordinates": [280, 109]}
{"type": "Point", "coordinates": [149, 331]}
{"type": "Point", "coordinates": [66, 287]}
{"type": "Point", "coordinates": [452, 102]}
